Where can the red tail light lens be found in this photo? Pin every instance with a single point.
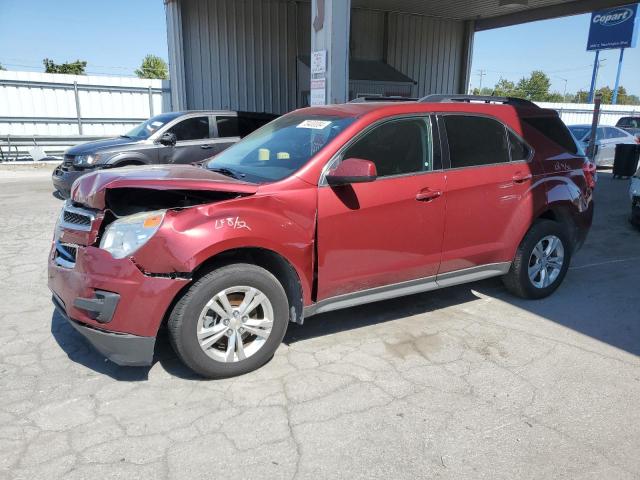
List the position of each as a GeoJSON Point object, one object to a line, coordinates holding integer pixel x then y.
{"type": "Point", "coordinates": [589, 169]}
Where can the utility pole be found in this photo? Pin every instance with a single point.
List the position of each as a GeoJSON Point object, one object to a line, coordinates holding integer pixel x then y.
{"type": "Point", "coordinates": [481, 73]}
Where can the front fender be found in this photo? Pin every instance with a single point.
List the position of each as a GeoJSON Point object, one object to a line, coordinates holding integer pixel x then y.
{"type": "Point", "coordinates": [126, 157]}
{"type": "Point", "coordinates": [283, 223]}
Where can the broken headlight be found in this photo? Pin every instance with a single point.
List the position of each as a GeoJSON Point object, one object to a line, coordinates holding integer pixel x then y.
{"type": "Point", "coordinates": [127, 234]}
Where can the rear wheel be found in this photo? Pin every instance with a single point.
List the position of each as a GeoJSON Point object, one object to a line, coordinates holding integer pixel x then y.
{"type": "Point", "coordinates": [230, 321]}
{"type": "Point", "coordinates": [541, 261]}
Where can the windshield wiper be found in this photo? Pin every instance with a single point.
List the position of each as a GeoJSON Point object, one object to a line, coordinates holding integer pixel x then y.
{"type": "Point", "coordinates": [228, 172]}
{"type": "Point", "coordinates": [126, 136]}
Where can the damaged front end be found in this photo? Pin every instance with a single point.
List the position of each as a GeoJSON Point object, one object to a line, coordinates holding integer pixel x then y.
{"type": "Point", "coordinates": [107, 294]}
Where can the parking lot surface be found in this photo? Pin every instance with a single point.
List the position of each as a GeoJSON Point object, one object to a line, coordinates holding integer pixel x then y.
{"type": "Point", "coordinates": [462, 383]}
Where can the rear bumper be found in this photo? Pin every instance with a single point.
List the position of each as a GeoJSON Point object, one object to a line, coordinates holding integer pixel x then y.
{"type": "Point", "coordinates": [121, 348]}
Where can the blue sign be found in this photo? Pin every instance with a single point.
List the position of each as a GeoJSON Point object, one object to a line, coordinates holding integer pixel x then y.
{"type": "Point", "coordinates": [613, 28]}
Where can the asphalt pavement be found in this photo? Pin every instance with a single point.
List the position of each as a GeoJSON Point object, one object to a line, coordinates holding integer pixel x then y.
{"type": "Point", "coordinates": [462, 383]}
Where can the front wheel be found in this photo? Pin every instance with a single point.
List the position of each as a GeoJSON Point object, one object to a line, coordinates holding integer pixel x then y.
{"type": "Point", "coordinates": [541, 261]}
{"type": "Point", "coordinates": [230, 321]}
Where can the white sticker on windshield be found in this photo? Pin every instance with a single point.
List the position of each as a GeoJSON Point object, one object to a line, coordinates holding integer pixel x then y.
{"type": "Point", "coordinates": [156, 124]}
{"type": "Point", "coordinates": [315, 124]}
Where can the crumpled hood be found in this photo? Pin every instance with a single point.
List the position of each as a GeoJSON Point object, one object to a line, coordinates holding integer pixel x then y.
{"type": "Point", "coordinates": [90, 189]}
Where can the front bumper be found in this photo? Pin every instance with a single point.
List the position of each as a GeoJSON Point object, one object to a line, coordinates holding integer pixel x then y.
{"type": "Point", "coordinates": [112, 303]}
{"type": "Point", "coordinates": [62, 178]}
{"type": "Point", "coordinates": [121, 348]}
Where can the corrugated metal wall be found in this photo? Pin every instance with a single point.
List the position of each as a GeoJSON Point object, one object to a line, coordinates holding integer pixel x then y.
{"type": "Point", "coordinates": [240, 54]}
{"type": "Point", "coordinates": [429, 50]}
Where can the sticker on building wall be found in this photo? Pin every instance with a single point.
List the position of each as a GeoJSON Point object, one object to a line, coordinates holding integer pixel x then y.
{"type": "Point", "coordinates": [318, 94]}
{"type": "Point", "coordinates": [318, 62]}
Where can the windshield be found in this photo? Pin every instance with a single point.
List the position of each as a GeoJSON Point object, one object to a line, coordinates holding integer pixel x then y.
{"type": "Point", "coordinates": [580, 132]}
{"type": "Point", "coordinates": [279, 148]}
{"type": "Point", "coordinates": [149, 127]}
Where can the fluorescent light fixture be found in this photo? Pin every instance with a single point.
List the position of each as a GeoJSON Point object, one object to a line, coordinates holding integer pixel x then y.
{"type": "Point", "coordinates": [513, 3]}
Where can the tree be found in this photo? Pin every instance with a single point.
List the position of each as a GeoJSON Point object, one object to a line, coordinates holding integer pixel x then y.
{"type": "Point", "coordinates": [73, 68]}
{"type": "Point", "coordinates": [536, 87]}
{"type": "Point", "coordinates": [153, 67]}
{"type": "Point", "coordinates": [505, 88]}
{"type": "Point", "coordinates": [1, 67]}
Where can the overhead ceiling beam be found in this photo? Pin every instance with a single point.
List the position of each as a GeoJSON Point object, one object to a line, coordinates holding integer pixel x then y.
{"type": "Point", "coordinates": [545, 13]}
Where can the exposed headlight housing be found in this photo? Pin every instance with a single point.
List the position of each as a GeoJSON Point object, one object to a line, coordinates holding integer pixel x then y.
{"type": "Point", "coordinates": [127, 234]}
{"type": "Point", "coordinates": [86, 160]}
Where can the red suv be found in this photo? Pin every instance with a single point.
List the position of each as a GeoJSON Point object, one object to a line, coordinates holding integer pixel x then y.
{"type": "Point", "coordinates": [324, 208]}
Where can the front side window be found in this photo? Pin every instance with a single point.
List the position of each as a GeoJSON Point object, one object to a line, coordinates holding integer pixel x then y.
{"type": "Point", "coordinates": [397, 147]}
{"type": "Point", "coordinates": [475, 141]}
{"type": "Point", "coordinates": [279, 148]}
{"type": "Point", "coordinates": [194, 128]}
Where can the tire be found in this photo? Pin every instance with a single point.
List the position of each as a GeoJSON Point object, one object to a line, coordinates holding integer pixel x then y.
{"type": "Point", "coordinates": [203, 302]}
{"type": "Point", "coordinates": [518, 280]}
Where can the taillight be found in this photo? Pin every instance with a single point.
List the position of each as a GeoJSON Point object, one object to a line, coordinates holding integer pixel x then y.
{"type": "Point", "coordinates": [589, 169]}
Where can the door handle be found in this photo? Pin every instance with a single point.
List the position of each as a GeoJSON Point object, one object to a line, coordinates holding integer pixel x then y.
{"type": "Point", "coordinates": [520, 177]}
{"type": "Point", "coordinates": [206, 147]}
{"type": "Point", "coordinates": [427, 195]}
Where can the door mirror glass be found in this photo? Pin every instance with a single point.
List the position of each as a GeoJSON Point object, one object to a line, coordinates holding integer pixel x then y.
{"type": "Point", "coordinates": [168, 139]}
{"type": "Point", "coordinates": [352, 170]}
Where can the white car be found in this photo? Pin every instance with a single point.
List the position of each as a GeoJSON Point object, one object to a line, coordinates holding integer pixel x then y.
{"type": "Point", "coordinates": [634, 193]}
{"type": "Point", "coordinates": [606, 140]}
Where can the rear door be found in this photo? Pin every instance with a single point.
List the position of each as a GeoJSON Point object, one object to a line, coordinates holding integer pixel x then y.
{"type": "Point", "coordinates": [194, 140]}
{"type": "Point", "coordinates": [390, 230]}
{"type": "Point", "coordinates": [227, 132]}
{"type": "Point", "coordinates": [486, 192]}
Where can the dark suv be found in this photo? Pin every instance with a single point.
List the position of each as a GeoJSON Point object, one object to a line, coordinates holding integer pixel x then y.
{"type": "Point", "coordinates": [630, 124]}
{"type": "Point", "coordinates": [175, 137]}
{"type": "Point", "coordinates": [324, 208]}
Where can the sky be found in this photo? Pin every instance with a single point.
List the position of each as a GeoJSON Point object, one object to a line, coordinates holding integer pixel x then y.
{"type": "Point", "coordinates": [557, 47]}
{"type": "Point", "coordinates": [114, 36]}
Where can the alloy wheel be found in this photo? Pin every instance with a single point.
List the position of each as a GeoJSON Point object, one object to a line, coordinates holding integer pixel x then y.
{"type": "Point", "coordinates": [235, 324]}
{"type": "Point", "coordinates": [546, 261]}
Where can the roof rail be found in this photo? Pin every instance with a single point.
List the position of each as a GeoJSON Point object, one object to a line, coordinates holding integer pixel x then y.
{"type": "Point", "coordinates": [380, 98]}
{"type": "Point", "coordinates": [518, 102]}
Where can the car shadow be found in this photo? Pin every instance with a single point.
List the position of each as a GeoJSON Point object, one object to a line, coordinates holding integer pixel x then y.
{"type": "Point", "coordinates": [378, 312]}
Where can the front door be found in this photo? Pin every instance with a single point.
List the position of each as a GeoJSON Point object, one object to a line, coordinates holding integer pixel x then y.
{"type": "Point", "coordinates": [389, 230]}
{"type": "Point", "coordinates": [194, 141]}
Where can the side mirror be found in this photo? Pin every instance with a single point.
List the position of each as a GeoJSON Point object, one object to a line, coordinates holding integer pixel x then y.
{"type": "Point", "coordinates": [352, 170]}
{"type": "Point", "coordinates": [168, 139]}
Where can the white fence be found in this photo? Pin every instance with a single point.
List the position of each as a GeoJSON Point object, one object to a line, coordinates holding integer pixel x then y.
{"type": "Point", "coordinates": [577, 113]}
{"type": "Point", "coordinates": [55, 111]}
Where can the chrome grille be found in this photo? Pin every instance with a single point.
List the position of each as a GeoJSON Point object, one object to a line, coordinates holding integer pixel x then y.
{"type": "Point", "coordinates": [66, 254]}
{"type": "Point", "coordinates": [75, 218]}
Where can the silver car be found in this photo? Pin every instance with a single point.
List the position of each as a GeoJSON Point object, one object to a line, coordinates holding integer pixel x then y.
{"type": "Point", "coordinates": [606, 140]}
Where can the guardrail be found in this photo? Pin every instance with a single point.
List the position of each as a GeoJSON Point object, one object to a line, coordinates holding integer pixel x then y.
{"type": "Point", "coordinates": [17, 147]}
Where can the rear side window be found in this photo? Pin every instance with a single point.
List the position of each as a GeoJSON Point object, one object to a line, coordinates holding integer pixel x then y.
{"type": "Point", "coordinates": [614, 133]}
{"type": "Point", "coordinates": [518, 149]}
{"type": "Point", "coordinates": [555, 130]}
{"type": "Point", "coordinates": [227, 126]}
{"type": "Point", "coordinates": [396, 147]}
{"type": "Point", "coordinates": [475, 141]}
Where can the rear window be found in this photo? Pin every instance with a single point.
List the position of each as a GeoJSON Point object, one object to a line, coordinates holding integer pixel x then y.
{"type": "Point", "coordinates": [629, 122]}
{"type": "Point", "coordinates": [555, 130]}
